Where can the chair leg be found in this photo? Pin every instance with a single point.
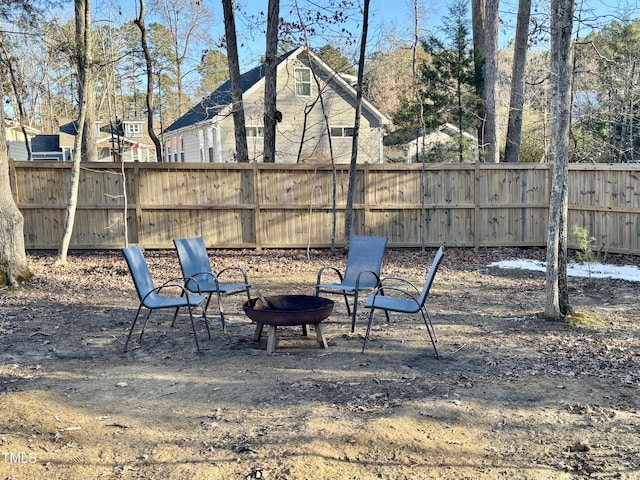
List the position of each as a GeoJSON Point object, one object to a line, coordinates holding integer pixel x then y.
{"type": "Point", "coordinates": [175, 315]}
{"type": "Point", "coordinates": [206, 322]}
{"type": "Point", "coordinates": [193, 327]}
{"type": "Point", "coordinates": [204, 314]}
{"type": "Point", "coordinates": [221, 309]}
{"type": "Point", "coordinates": [133, 325]}
{"type": "Point", "coordinates": [346, 301]}
{"type": "Point", "coordinates": [366, 337]}
{"type": "Point", "coordinates": [355, 310]}
{"type": "Point", "coordinates": [431, 336]}
{"type": "Point", "coordinates": [144, 325]}
{"type": "Point", "coordinates": [386, 312]}
{"type": "Point", "coordinates": [435, 338]}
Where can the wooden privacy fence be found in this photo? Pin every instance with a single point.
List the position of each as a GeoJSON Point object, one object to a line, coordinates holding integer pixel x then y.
{"type": "Point", "coordinates": [290, 206]}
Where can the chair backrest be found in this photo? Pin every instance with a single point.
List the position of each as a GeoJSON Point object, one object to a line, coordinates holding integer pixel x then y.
{"type": "Point", "coordinates": [192, 253]}
{"type": "Point", "coordinates": [365, 254]}
{"type": "Point", "coordinates": [139, 270]}
{"type": "Point", "coordinates": [432, 273]}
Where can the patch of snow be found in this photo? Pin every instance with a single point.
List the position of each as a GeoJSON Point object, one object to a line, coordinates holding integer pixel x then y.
{"type": "Point", "coordinates": [584, 269]}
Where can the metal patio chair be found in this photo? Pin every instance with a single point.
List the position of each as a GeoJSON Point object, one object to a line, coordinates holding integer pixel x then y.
{"type": "Point", "coordinates": [151, 298]}
{"type": "Point", "coordinates": [362, 272]}
{"type": "Point", "coordinates": [200, 278]}
{"type": "Point", "coordinates": [406, 298]}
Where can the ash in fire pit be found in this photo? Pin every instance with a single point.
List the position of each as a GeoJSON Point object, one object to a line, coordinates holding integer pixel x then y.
{"type": "Point", "coordinates": [288, 310]}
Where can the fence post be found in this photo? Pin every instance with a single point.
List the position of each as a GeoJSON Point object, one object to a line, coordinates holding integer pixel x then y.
{"type": "Point", "coordinates": [257, 185]}
{"type": "Point", "coordinates": [136, 199]}
{"type": "Point", "coordinates": [476, 205]}
{"type": "Point", "coordinates": [366, 180]}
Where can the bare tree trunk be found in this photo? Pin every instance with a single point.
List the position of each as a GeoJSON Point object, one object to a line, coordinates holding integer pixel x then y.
{"type": "Point", "coordinates": [334, 191]}
{"type": "Point", "coordinates": [516, 102]}
{"type": "Point", "coordinates": [348, 222]}
{"type": "Point", "coordinates": [477, 21]}
{"type": "Point", "coordinates": [74, 182]}
{"type": "Point", "coordinates": [239, 126]}
{"type": "Point", "coordinates": [271, 63]}
{"type": "Point", "coordinates": [89, 141]}
{"type": "Point", "coordinates": [13, 258]}
{"type": "Point", "coordinates": [561, 25]}
{"type": "Point", "coordinates": [325, 115]}
{"type": "Point", "coordinates": [149, 98]}
{"type": "Point", "coordinates": [85, 76]}
{"type": "Point", "coordinates": [418, 94]}
{"type": "Point", "coordinates": [492, 22]}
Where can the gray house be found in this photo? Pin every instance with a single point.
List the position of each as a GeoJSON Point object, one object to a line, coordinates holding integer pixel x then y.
{"type": "Point", "coordinates": [205, 133]}
{"type": "Point", "coordinates": [442, 145]}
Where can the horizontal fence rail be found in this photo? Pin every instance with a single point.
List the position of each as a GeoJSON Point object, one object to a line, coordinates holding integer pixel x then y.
{"type": "Point", "coordinates": [291, 206]}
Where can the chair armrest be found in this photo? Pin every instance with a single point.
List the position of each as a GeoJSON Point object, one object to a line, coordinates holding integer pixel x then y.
{"type": "Point", "coordinates": [382, 291]}
{"type": "Point", "coordinates": [241, 270]}
{"type": "Point", "coordinates": [194, 278]}
{"type": "Point", "coordinates": [171, 283]}
{"type": "Point", "coordinates": [331, 269]}
{"type": "Point", "coordinates": [399, 281]}
{"type": "Point", "coordinates": [367, 271]}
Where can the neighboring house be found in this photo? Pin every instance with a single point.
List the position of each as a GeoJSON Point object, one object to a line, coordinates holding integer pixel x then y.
{"type": "Point", "coordinates": [442, 146]}
{"type": "Point", "coordinates": [52, 147]}
{"type": "Point", "coordinates": [206, 133]}
{"type": "Point", "coordinates": [126, 140]}
{"type": "Point", "coordinates": [16, 146]}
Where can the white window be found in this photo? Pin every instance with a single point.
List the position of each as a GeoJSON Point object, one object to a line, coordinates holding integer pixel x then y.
{"type": "Point", "coordinates": [201, 144]}
{"type": "Point", "coordinates": [255, 132]}
{"type": "Point", "coordinates": [303, 82]}
{"type": "Point", "coordinates": [337, 132]}
{"type": "Point", "coordinates": [210, 157]}
{"type": "Point", "coordinates": [168, 150]}
{"type": "Point", "coordinates": [133, 129]}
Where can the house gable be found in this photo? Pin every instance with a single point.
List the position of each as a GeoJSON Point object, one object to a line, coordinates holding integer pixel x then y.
{"type": "Point", "coordinates": [220, 100]}
{"type": "Point", "coordinates": [206, 132]}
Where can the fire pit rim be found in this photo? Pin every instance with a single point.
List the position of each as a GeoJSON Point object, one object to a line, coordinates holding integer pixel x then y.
{"type": "Point", "coordinates": [319, 310]}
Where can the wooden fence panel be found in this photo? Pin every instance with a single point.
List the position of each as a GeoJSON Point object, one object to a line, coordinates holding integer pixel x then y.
{"type": "Point", "coordinates": [605, 200]}
{"type": "Point", "coordinates": [395, 187]}
{"type": "Point", "coordinates": [257, 205]}
{"type": "Point", "coordinates": [453, 187]}
{"type": "Point", "coordinates": [219, 228]}
{"type": "Point", "coordinates": [513, 204]}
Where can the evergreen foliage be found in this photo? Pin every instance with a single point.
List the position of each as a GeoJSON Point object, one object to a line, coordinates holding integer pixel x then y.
{"type": "Point", "coordinates": [446, 81]}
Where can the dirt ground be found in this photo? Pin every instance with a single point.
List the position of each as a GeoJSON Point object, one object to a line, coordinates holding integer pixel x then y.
{"type": "Point", "coordinates": [512, 396]}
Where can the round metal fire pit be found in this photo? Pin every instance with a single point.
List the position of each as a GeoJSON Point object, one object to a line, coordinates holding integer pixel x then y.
{"type": "Point", "coordinates": [288, 310]}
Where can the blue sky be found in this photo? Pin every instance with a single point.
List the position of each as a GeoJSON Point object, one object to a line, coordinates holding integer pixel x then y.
{"type": "Point", "coordinates": [388, 19]}
{"type": "Point", "coordinates": [394, 19]}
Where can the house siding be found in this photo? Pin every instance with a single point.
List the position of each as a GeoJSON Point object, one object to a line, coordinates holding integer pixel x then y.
{"type": "Point", "coordinates": [17, 150]}
{"type": "Point", "coordinates": [191, 146]}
